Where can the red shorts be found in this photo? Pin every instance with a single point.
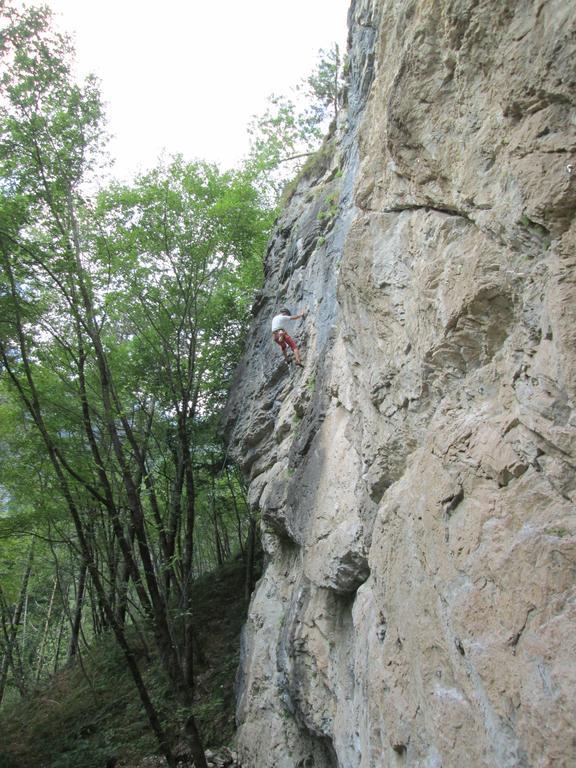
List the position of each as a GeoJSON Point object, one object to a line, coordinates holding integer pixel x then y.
{"type": "Point", "coordinates": [282, 338]}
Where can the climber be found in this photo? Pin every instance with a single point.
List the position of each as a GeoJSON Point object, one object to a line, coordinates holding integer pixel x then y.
{"type": "Point", "coordinates": [282, 338]}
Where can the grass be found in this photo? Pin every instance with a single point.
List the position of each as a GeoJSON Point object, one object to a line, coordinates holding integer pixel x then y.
{"type": "Point", "coordinates": [331, 207]}
{"type": "Point", "coordinates": [311, 384]}
{"type": "Point", "coordinates": [80, 719]}
{"type": "Point", "coordinates": [559, 531]}
{"type": "Point", "coordinates": [297, 422]}
{"type": "Point", "coordinates": [83, 719]}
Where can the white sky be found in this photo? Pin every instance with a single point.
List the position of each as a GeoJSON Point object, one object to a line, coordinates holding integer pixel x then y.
{"type": "Point", "coordinates": [187, 75]}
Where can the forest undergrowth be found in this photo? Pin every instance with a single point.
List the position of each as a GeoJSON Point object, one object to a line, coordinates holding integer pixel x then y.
{"type": "Point", "coordinates": [89, 715]}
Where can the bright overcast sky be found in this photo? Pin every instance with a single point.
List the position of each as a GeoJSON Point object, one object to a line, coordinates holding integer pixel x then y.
{"type": "Point", "coordinates": [187, 75]}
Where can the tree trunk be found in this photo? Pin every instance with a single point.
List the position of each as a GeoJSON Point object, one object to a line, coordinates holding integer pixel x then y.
{"type": "Point", "coordinates": [123, 587]}
{"type": "Point", "coordinates": [59, 640]}
{"type": "Point", "coordinates": [180, 674]}
{"type": "Point", "coordinates": [236, 512]}
{"type": "Point", "coordinates": [45, 634]}
{"type": "Point", "coordinates": [77, 620]}
{"type": "Point", "coordinates": [12, 635]}
{"type": "Point", "coordinates": [250, 550]}
{"type": "Point", "coordinates": [336, 79]}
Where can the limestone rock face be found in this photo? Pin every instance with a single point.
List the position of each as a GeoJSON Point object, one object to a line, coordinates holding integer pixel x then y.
{"type": "Point", "coordinates": [416, 481]}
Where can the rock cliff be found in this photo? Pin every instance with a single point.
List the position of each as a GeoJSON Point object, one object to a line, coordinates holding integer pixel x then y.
{"type": "Point", "coordinates": [416, 480]}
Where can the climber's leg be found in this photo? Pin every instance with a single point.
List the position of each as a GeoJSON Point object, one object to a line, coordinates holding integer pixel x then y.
{"type": "Point", "coordinates": [280, 339]}
{"type": "Point", "coordinates": [292, 344]}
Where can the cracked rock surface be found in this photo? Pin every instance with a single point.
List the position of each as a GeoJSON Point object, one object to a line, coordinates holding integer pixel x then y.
{"type": "Point", "coordinates": [416, 481]}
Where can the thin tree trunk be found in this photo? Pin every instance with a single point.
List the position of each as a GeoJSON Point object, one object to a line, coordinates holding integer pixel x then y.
{"type": "Point", "coordinates": [225, 542]}
{"type": "Point", "coordinates": [152, 595]}
{"type": "Point", "coordinates": [12, 635]}
{"type": "Point", "coordinates": [217, 541]}
{"type": "Point", "coordinates": [123, 587]}
{"type": "Point", "coordinates": [187, 567]}
{"type": "Point", "coordinates": [236, 512]}
{"type": "Point", "coordinates": [77, 620]}
{"type": "Point", "coordinates": [45, 634]}
{"type": "Point", "coordinates": [59, 640]}
{"type": "Point", "coordinates": [250, 549]}
{"type": "Point", "coordinates": [24, 628]}
{"type": "Point", "coordinates": [336, 77]}
{"type": "Point", "coordinates": [7, 649]}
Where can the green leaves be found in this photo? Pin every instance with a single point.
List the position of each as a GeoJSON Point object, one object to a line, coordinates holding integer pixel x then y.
{"type": "Point", "coordinates": [324, 85]}
{"type": "Point", "coordinates": [292, 129]}
{"type": "Point", "coordinates": [181, 251]}
{"type": "Point", "coordinates": [51, 129]}
{"type": "Point", "coordinates": [121, 321]}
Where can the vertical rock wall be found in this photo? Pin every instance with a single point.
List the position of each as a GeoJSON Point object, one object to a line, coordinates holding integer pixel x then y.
{"type": "Point", "coordinates": [416, 480]}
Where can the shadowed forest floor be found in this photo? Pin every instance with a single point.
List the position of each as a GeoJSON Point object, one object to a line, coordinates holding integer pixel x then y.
{"type": "Point", "coordinates": [90, 715]}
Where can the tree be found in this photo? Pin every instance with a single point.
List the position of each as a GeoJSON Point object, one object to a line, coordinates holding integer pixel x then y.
{"type": "Point", "coordinates": [292, 128]}
{"type": "Point", "coordinates": [324, 85]}
{"type": "Point", "coordinates": [50, 131]}
{"type": "Point", "coordinates": [122, 320]}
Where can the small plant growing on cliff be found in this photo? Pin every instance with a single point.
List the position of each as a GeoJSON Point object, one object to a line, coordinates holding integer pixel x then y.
{"type": "Point", "coordinates": [539, 230]}
{"type": "Point", "coordinates": [331, 209]}
{"type": "Point", "coordinates": [297, 421]}
{"type": "Point", "coordinates": [559, 532]}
